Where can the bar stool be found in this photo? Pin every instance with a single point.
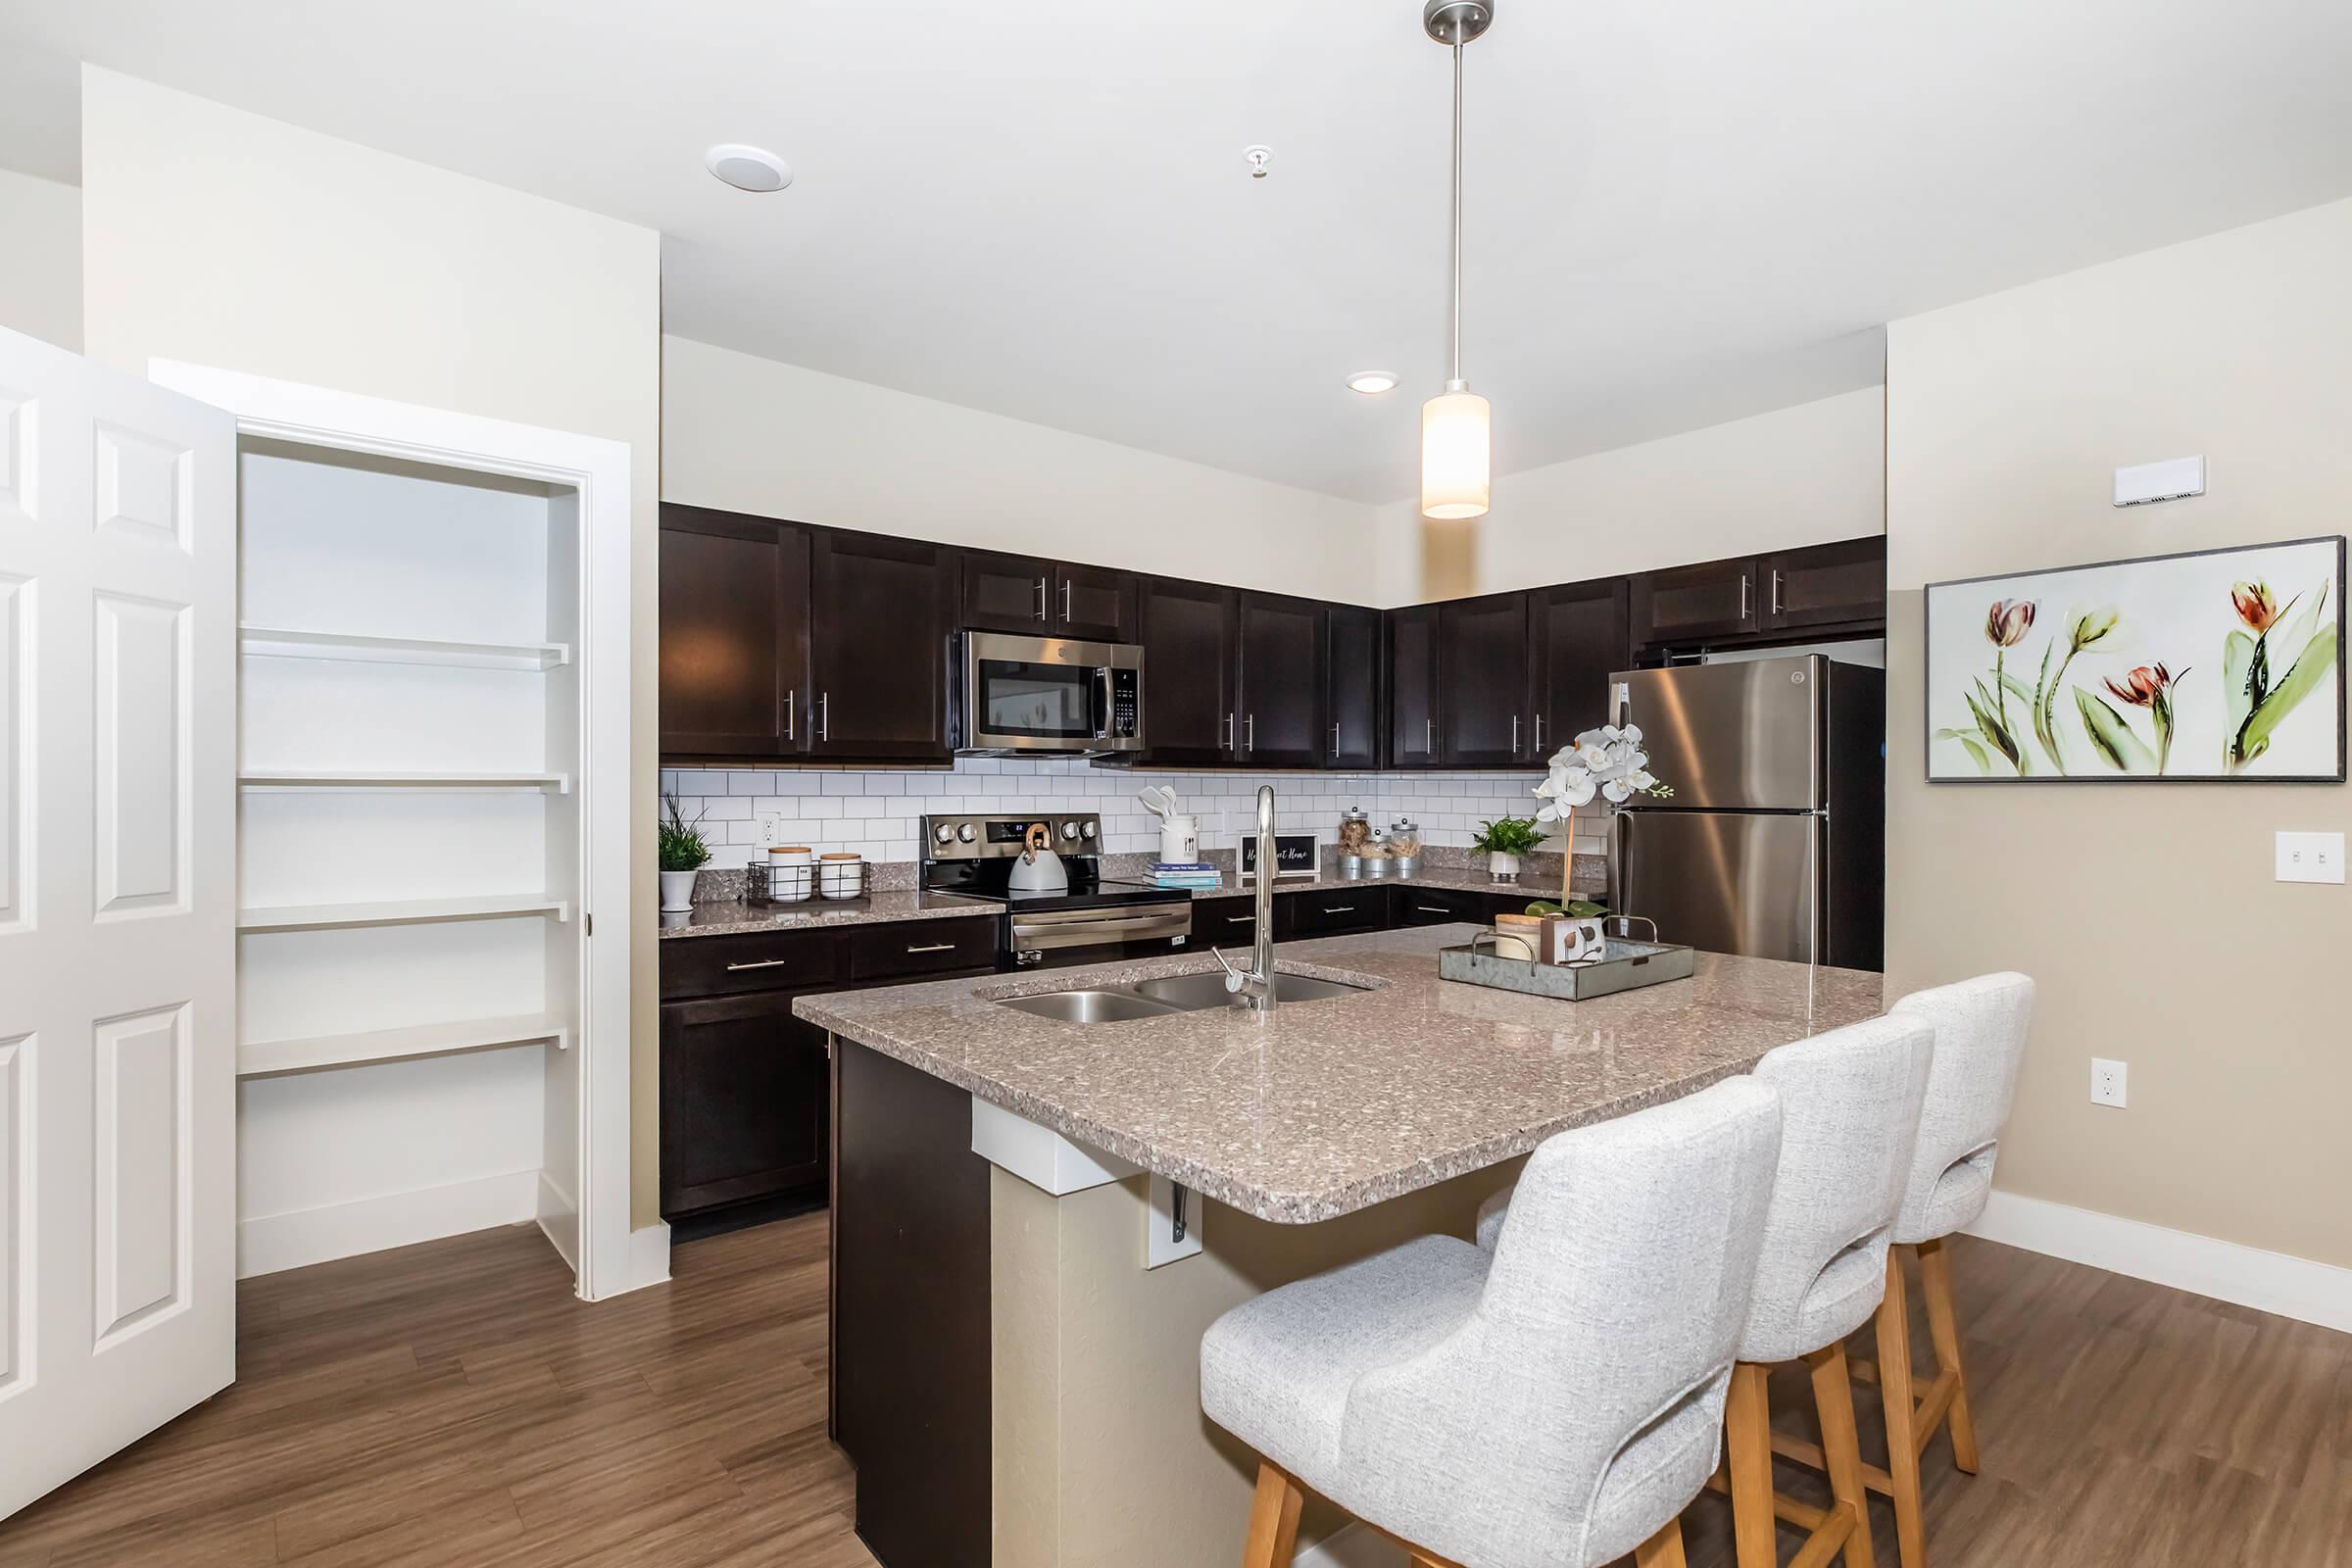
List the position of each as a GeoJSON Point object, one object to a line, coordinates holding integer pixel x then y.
{"type": "Point", "coordinates": [1979, 1029]}
{"type": "Point", "coordinates": [1849, 1123]}
{"type": "Point", "coordinates": [1554, 1404]}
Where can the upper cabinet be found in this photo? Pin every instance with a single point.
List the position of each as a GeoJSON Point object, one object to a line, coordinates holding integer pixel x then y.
{"type": "Point", "coordinates": [1843, 584]}
{"type": "Point", "coordinates": [1482, 659]}
{"type": "Point", "coordinates": [1351, 687]}
{"type": "Point", "coordinates": [1840, 587]}
{"type": "Point", "coordinates": [1188, 638]}
{"type": "Point", "coordinates": [1413, 689]}
{"type": "Point", "coordinates": [881, 609]}
{"type": "Point", "coordinates": [734, 635]}
{"type": "Point", "coordinates": [1578, 634]}
{"type": "Point", "coordinates": [1692, 604]}
{"type": "Point", "coordinates": [1047, 598]}
{"type": "Point", "coordinates": [1280, 690]}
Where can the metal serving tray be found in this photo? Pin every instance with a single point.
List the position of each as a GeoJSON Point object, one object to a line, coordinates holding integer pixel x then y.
{"type": "Point", "coordinates": [1624, 965]}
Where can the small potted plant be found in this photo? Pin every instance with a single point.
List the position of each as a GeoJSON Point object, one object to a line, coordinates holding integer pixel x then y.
{"type": "Point", "coordinates": [683, 854]}
{"type": "Point", "coordinates": [1505, 840]}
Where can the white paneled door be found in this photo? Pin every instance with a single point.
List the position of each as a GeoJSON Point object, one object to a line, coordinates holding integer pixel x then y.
{"type": "Point", "coordinates": [118, 894]}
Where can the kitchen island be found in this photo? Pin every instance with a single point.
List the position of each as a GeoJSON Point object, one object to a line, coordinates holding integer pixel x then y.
{"type": "Point", "coordinates": [1017, 1385]}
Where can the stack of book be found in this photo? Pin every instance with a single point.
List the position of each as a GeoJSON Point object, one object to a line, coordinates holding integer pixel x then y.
{"type": "Point", "coordinates": [1174, 874]}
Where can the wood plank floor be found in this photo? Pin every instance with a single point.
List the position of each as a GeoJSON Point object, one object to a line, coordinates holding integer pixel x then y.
{"type": "Point", "coordinates": [451, 1404]}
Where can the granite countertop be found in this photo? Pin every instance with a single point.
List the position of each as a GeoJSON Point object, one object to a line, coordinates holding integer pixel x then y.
{"type": "Point", "coordinates": [722, 918]}
{"type": "Point", "coordinates": [1334, 1106]}
{"type": "Point", "coordinates": [1452, 881]}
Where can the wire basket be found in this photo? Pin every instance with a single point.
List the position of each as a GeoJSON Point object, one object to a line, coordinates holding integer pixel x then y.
{"type": "Point", "coordinates": [770, 880]}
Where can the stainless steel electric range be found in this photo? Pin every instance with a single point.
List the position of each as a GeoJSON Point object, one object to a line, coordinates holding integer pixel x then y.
{"type": "Point", "coordinates": [1091, 921]}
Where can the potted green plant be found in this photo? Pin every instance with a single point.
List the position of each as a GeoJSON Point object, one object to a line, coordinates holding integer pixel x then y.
{"type": "Point", "coordinates": [683, 854]}
{"type": "Point", "coordinates": [1505, 840]}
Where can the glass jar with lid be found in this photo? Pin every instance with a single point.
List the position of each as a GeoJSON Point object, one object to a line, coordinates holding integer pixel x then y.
{"type": "Point", "coordinates": [1355, 835]}
{"type": "Point", "coordinates": [1404, 847]}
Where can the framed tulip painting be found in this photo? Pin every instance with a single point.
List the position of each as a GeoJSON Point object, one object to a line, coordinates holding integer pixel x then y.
{"type": "Point", "coordinates": [2222, 664]}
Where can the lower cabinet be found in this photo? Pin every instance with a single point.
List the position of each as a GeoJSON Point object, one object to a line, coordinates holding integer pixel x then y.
{"type": "Point", "coordinates": [1317, 912]}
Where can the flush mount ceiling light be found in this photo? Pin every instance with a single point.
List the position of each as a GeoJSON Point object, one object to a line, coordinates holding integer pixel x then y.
{"type": "Point", "coordinates": [752, 168]}
{"type": "Point", "coordinates": [1372, 383]}
{"type": "Point", "coordinates": [1455, 452]}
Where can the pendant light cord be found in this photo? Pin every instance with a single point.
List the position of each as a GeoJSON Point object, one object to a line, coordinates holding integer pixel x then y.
{"type": "Point", "coordinates": [1454, 383]}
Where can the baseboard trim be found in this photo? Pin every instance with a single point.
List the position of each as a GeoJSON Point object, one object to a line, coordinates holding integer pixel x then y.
{"type": "Point", "coordinates": [2244, 1276]}
{"type": "Point", "coordinates": [649, 1258]}
{"type": "Point", "coordinates": [270, 1242]}
{"type": "Point", "coordinates": [560, 1219]}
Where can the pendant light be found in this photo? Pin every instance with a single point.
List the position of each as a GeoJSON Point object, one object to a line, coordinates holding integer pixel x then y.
{"type": "Point", "coordinates": [1456, 460]}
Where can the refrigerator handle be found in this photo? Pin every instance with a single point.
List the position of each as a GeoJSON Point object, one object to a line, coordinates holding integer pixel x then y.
{"type": "Point", "coordinates": [1621, 828]}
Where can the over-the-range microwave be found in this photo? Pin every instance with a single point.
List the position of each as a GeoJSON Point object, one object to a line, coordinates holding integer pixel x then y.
{"type": "Point", "coordinates": [1030, 694]}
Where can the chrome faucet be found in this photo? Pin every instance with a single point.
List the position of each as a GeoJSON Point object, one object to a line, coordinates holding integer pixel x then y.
{"type": "Point", "coordinates": [1254, 988]}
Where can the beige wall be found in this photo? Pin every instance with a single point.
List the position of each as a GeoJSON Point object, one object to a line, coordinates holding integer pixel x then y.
{"type": "Point", "coordinates": [1801, 476]}
{"type": "Point", "coordinates": [223, 238]}
{"type": "Point", "coordinates": [40, 259]}
{"type": "Point", "coordinates": [755, 435]}
{"type": "Point", "coordinates": [2146, 912]}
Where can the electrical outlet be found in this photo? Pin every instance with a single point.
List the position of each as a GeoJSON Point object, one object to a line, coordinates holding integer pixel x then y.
{"type": "Point", "coordinates": [2107, 1081]}
{"type": "Point", "coordinates": [2311, 857]}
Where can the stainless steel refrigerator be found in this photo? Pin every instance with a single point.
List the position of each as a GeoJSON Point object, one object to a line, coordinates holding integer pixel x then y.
{"type": "Point", "coordinates": [1773, 844]}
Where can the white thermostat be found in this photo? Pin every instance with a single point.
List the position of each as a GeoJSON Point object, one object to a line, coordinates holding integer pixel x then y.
{"type": "Point", "coordinates": [2173, 479]}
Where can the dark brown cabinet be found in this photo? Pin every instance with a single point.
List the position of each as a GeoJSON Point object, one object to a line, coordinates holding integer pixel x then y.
{"type": "Point", "coordinates": [1482, 660]}
{"type": "Point", "coordinates": [1579, 635]}
{"type": "Point", "coordinates": [743, 1102]}
{"type": "Point", "coordinates": [1317, 912]}
{"type": "Point", "coordinates": [1413, 687]}
{"type": "Point", "coordinates": [1050, 599]}
{"type": "Point", "coordinates": [878, 647]}
{"type": "Point", "coordinates": [1826, 585]}
{"type": "Point", "coordinates": [1231, 921]}
{"type": "Point", "coordinates": [1714, 599]}
{"type": "Point", "coordinates": [1279, 667]}
{"type": "Point", "coordinates": [1094, 601]}
{"type": "Point", "coordinates": [734, 604]}
{"type": "Point", "coordinates": [1351, 687]}
{"type": "Point", "coordinates": [1187, 640]}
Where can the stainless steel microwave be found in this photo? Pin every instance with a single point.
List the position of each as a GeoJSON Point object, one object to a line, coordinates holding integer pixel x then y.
{"type": "Point", "coordinates": [1051, 693]}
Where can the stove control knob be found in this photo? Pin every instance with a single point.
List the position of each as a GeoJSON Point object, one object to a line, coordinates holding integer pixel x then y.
{"type": "Point", "coordinates": [1086, 830]}
{"type": "Point", "coordinates": [967, 833]}
{"type": "Point", "coordinates": [1069, 830]}
{"type": "Point", "coordinates": [944, 833]}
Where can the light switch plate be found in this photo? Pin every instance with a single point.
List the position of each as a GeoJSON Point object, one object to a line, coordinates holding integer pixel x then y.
{"type": "Point", "coordinates": [2311, 857]}
{"type": "Point", "coordinates": [2108, 1080]}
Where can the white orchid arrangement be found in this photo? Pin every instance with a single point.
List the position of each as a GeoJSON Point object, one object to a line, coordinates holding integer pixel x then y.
{"type": "Point", "coordinates": [1607, 762]}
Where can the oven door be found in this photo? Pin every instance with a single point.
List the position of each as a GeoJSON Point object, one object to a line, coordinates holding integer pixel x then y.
{"type": "Point", "coordinates": [1050, 694]}
{"type": "Point", "coordinates": [1057, 939]}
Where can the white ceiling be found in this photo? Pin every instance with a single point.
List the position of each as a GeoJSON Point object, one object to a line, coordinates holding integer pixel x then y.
{"type": "Point", "coordinates": [1679, 212]}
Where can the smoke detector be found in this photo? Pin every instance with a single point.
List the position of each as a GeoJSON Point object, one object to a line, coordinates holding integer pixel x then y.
{"type": "Point", "coordinates": [746, 167]}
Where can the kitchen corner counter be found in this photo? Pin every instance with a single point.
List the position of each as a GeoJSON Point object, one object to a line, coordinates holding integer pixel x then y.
{"type": "Point", "coordinates": [1333, 1106]}
{"type": "Point", "coordinates": [731, 916]}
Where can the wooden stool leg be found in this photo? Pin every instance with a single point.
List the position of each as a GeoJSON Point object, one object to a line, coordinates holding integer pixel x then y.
{"type": "Point", "coordinates": [1663, 1550]}
{"type": "Point", "coordinates": [1841, 1449]}
{"type": "Point", "coordinates": [1936, 1285]}
{"type": "Point", "coordinates": [1273, 1520]}
{"type": "Point", "coordinates": [1748, 1441]}
{"type": "Point", "coordinates": [1903, 1413]}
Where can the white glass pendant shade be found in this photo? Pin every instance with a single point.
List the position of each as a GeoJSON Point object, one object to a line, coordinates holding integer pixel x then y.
{"type": "Point", "coordinates": [1454, 456]}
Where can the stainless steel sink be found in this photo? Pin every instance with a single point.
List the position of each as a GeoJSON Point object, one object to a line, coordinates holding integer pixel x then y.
{"type": "Point", "coordinates": [1197, 991]}
{"type": "Point", "coordinates": [1159, 999]}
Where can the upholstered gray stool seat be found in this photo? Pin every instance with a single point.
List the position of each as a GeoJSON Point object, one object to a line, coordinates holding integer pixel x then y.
{"type": "Point", "coordinates": [1554, 1403]}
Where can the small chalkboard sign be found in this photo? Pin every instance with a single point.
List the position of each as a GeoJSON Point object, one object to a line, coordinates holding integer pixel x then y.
{"type": "Point", "coordinates": [1295, 855]}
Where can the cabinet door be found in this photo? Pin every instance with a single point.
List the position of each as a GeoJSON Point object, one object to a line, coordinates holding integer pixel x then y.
{"type": "Point", "coordinates": [1413, 706]}
{"type": "Point", "coordinates": [1581, 634]}
{"type": "Point", "coordinates": [878, 644]}
{"type": "Point", "coordinates": [1281, 681]}
{"type": "Point", "coordinates": [1007, 593]}
{"type": "Point", "coordinates": [1228, 923]}
{"type": "Point", "coordinates": [1188, 634]}
{"type": "Point", "coordinates": [1826, 585]}
{"type": "Point", "coordinates": [1351, 687]}
{"type": "Point", "coordinates": [1482, 657]}
{"type": "Point", "coordinates": [1686, 603]}
{"type": "Point", "coordinates": [1337, 913]}
{"type": "Point", "coordinates": [1440, 906]}
{"type": "Point", "coordinates": [744, 1102]}
{"type": "Point", "coordinates": [734, 667]}
{"type": "Point", "coordinates": [1093, 602]}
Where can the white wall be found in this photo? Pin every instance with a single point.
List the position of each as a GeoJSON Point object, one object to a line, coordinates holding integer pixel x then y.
{"type": "Point", "coordinates": [40, 259]}
{"type": "Point", "coordinates": [223, 238]}
{"type": "Point", "coordinates": [1795, 476]}
{"type": "Point", "coordinates": [749, 434]}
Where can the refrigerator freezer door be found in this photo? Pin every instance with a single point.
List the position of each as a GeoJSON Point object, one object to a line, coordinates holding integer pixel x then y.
{"type": "Point", "coordinates": [1722, 881]}
{"type": "Point", "coordinates": [1733, 736]}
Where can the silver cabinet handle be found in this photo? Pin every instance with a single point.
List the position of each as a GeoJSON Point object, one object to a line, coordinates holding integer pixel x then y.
{"type": "Point", "coordinates": [764, 963]}
{"type": "Point", "coordinates": [789, 719]}
{"type": "Point", "coordinates": [1538, 732]}
{"type": "Point", "coordinates": [825, 715]}
{"type": "Point", "coordinates": [1775, 590]}
{"type": "Point", "coordinates": [1338, 909]}
{"type": "Point", "coordinates": [1743, 596]}
{"type": "Point", "coordinates": [1515, 734]}
{"type": "Point", "coordinates": [1433, 908]}
{"type": "Point", "coordinates": [1040, 598]}
{"type": "Point", "coordinates": [1227, 744]}
{"type": "Point", "coordinates": [1240, 919]}
{"type": "Point", "coordinates": [1334, 740]}
{"type": "Point", "coordinates": [1065, 601]}
{"type": "Point", "coordinates": [1429, 736]}
{"type": "Point", "coordinates": [1249, 733]}
{"type": "Point", "coordinates": [934, 947]}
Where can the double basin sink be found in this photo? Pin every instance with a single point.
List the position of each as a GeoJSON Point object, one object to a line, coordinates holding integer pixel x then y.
{"type": "Point", "coordinates": [1158, 999]}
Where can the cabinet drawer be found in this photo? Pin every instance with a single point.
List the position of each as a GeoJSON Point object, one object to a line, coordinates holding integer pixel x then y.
{"type": "Point", "coordinates": [760, 961]}
{"type": "Point", "coordinates": [1440, 906]}
{"type": "Point", "coordinates": [1228, 923]}
{"type": "Point", "coordinates": [921, 947]}
{"type": "Point", "coordinates": [1331, 915]}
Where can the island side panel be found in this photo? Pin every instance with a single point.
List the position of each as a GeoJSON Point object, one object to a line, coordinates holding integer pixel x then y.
{"type": "Point", "coordinates": [910, 1337]}
{"type": "Point", "coordinates": [1102, 1457]}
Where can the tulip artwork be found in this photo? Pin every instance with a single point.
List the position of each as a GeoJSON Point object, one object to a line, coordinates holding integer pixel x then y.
{"type": "Point", "coordinates": [2133, 633]}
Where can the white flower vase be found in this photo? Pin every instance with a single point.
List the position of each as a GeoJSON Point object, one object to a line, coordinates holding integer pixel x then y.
{"type": "Point", "coordinates": [1502, 866]}
{"type": "Point", "coordinates": [677, 890]}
